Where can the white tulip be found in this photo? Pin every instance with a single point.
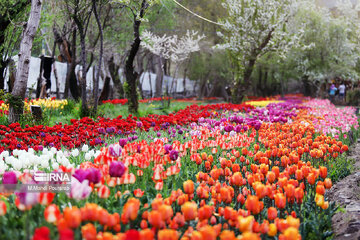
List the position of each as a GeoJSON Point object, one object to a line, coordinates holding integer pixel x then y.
{"type": "Point", "coordinates": [85, 148]}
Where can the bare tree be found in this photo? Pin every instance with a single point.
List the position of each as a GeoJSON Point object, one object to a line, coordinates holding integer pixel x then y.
{"type": "Point", "coordinates": [80, 11]}
{"type": "Point", "coordinates": [96, 85]}
{"type": "Point", "coordinates": [22, 73]}
{"type": "Point", "coordinates": [7, 16]}
{"type": "Point", "coordinates": [130, 73]}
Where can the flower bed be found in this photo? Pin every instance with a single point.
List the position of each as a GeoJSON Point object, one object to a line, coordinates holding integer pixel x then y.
{"type": "Point", "coordinates": [214, 171]}
{"type": "Point", "coordinates": [49, 103]}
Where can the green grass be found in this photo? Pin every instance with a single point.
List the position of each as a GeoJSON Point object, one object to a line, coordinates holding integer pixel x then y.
{"type": "Point", "coordinates": [113, 111]}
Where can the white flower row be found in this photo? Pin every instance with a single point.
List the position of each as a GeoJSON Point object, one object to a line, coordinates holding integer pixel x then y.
{"type": "Point", "coordinates": [48, 159]}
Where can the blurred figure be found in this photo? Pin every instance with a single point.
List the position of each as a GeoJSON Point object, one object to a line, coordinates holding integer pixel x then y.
{"type": "Point", "coordinates": [332, 92]}
{"type": "Point", "coordinates": [342, 89]}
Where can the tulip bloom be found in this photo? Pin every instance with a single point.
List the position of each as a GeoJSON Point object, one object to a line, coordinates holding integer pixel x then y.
{"type": "Point", "coordinates": [72, 217]}
{"type": "Point", "coordinates": [2, 208]}
{"type": "Point", "coordinates": [117, 169]}
{"type": "Point", "coordinates": [52, 213]}
{"type": "Point", "coordinates": [188, 187]}
{"type": "Point", "coordinates": [189, 210]}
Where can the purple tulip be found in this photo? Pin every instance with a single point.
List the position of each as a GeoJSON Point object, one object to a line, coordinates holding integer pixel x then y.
{"type": "Point", "coordinates": [80, 174]}
{"type": "Point", "coordinates": [238, 128]}
{"type": "Point", "coordinates": [116, 169]}
{"type": "Point", "coordinates": [28, 198]}
{"type": "Point", "coordinates": [167, 148]}
{"type": "Point", "coordinates": [115, 150]}
{"type": "Point", "coordinates": [110, 129]}
{"type": "Point", "coordinates": [9, 178]}
{"type": "Point", "coordinates": [93, 175]}
{"type": "Point", "coordinates": [101, 130]}
{"type": "Point", "coordinates": [228, 128]}
{"type": "Point", "coordinates": [122, 142]}
{"type": "Point", "coordinates": [158, 134]}
{"type": "Point", "coordinates": [139, 124]}
{"type": "Point", "coordinates": [174, 155]}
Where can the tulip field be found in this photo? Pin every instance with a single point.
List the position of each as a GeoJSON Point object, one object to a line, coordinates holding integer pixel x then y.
{"type": "Point", "coordinates": [256, 170]}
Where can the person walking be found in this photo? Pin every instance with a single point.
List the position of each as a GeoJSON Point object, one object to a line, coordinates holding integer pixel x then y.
{"type": "Point", "coordinates": [342, 89]}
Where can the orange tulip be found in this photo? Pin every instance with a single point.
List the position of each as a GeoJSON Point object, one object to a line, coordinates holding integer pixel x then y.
{"type": "Point", "coordinates": [147, 234]}
{"type": "Point", "coordinates": [246, 223]}
{"type": "Point", "coordinates": [327, 183]}
{"type": "Point", "coordinates": [166, 212]}
{"type": "Point", "coordinates": [131, 208]}
{"type": "Point", "coordinates": [290, 233]}
{"type": "Point", "coordinates": [2, 208]}
{"type": "Point", "coordinates": [311, 179]}
{"type": "Point", "coordinates": [189, 210]}
{"type": "Point", "coordinates": [272, 213]}
{"type": "Point", "coordinates": [280, 200]}
{"type": "Point", "coordinates": [205, 212]}
{"type": "Point", "coordinates": [72, 217]}
{"type": "Point", "coordinates": [88, 232]}
{"type": "Point", "coordinates": [167, 234]}
{"type": "Point", "coordinates": [208, 233]}
{"type": "Point", "coordinates": [188, 187]}
{"type": "Point", "coordinates": [250, 236]}
{"type": "Point", "coordinates": [323, 172]}
{"type": "Point", "coordinates": [253, 204]}
{"type": "Point", "coordinates": [227, 235]}
{"type": "Point", "coordinates": [272, 230]}
{"type": "Point", "coordinates": [320, 189]}
{"type": "Point", "coordinates": [155, 219]}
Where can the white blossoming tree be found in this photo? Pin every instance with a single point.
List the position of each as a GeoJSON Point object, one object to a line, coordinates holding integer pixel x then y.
{"type": "Point", "coordinates": [177, 49]}
{"type": "Point", "coordinates": [328, 47]}
{"type": "Point", "coordinates": [253, 28]}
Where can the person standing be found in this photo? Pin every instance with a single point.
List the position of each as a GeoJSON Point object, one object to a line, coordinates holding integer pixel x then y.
{"type": "Point", "coordinates": [332, 92]}
{"type": "Point", "coordinates": [342, 89]}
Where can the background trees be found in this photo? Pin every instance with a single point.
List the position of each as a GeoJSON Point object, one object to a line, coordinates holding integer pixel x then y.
{"type": "Point", "coordinates": [264, 47]}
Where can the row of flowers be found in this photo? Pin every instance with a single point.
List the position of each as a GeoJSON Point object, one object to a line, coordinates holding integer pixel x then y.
{"type": "Point", "coordinates": [149, 100]}
{"type": "Point", "coordinates": [48, 103]}
{"type": "Point", "coordinates": [88, 131]}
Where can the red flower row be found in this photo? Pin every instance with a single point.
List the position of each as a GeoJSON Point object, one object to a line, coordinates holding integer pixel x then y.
{"type": "Point", "coordinates": [93, 132]}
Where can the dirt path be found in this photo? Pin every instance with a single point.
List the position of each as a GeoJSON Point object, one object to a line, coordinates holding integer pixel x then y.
{"type": "Point", "coordinates": [346, 192]}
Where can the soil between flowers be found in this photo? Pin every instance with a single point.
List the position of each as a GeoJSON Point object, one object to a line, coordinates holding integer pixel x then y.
{"type": "Point", "coordinates": [346, 193]}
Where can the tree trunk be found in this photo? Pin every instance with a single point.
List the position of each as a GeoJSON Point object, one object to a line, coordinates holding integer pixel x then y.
{"type": "Point", "coordinates": [96, 87]}
{"type": "Point", "coordinates": [84, 108]}
{"type": "Point", "coordinates": [114, 73]}
{"type": "Point", "coordinates": [22, 73]}
{"type": "Point", "coordinates": [3, 65]}
{"type": "Point", "coordinates": [242, 84]}
{"type": "Point", "coordinates": [83, 75]}
{"type": "Point", "coordinates": [159, 77]}
{"type": "Point", "coordinates": [40, 79]}
{"type": "Point", "coordinates": [55, 71]}
{"type": "Point", "coordinates": [184, 81]}
{"type": "Point", "coordinates": [71, 79]}
{"type": "Point", "coordinates": [130, 73]}
{"type": "Point", "coordinates": [106, 89]}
